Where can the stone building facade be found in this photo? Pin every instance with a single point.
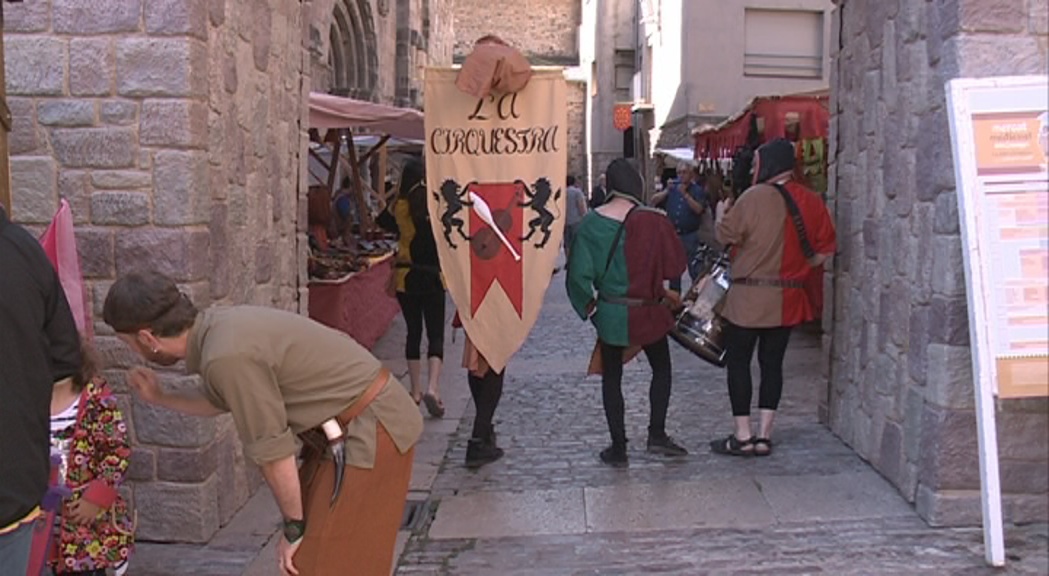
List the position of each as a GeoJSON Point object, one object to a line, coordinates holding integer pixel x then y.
{"type": "Point", "coordinates": [547, 32]}
{"type": "Point", "coordinates": [177, 130]}
{"type": "Point", "coordinates": [898, 353]}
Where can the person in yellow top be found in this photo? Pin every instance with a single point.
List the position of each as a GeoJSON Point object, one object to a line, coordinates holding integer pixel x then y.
{"type": "Point", "coordinates": [282, 375]}
{"type": "Point", "coordinates": [418, 282]}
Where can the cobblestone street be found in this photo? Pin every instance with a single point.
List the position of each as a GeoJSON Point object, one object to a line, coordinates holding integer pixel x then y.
{"type": "Point", "coordinates": [549, 507]}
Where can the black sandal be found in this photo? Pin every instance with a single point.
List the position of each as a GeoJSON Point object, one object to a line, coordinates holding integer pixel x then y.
{"type": "Point", "coordinates": [762, 442]}
{"type": "Point", "coordinates": [732, 446]}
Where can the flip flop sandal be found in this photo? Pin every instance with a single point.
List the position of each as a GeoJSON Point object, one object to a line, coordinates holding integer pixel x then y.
{"type": "Point", "coordinates": [732, 446]}
{"type": "Point", "coordinates": [762, 442]}
{"type": "Point", "coordinates": [434, 406]}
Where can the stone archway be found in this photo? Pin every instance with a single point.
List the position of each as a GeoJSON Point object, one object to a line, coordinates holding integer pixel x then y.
{"type": "Point", "coordinates": [352, 55]}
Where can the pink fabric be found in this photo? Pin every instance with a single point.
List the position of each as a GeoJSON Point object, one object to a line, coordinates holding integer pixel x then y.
{"type": "Point", "coordinates": [59, 244]}
{"type": "Point", "coordinates": [327, 111]}
{"type": "Point", "coordinates": [358, 306]}
{"type": "Point", "coordinates": [493, 66]}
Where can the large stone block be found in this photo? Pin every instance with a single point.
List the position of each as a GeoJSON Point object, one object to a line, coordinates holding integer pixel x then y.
{"type": "Point", "coordinates": [986, 16]}
{"type": "Point", "coordinates": [121, 179]}
{"type": "Point", "coordinates": [174, 123]}
{"type": "Point", "coordinates": [263, 263]}
{"type": "Point", "coordinates": [24, 137]}
{"type": "Point", "coordinates": [74, 186]}
{"type": "Point", "coordinates": [261, 34]}
{"type": "Point", "coordinates": [949, 381]}
{"type": "Point", "coordinates": [33, 189]}
{"type": "Point", "coordinates": [91, 66]}
{"type": "Point", "coordinates": [187, 465]}
{"type": "Point", "coordinates": [1038, 17]}
{"type": "Point", "coordinates": [217, 12]}
{"type": "Point", "coordinates": [1025, 508]}
{"type": "Point", "coordinates": [946, 222]}
{"type": "Point", "coordinates": [949, 456]}
{"type": "Point", "coordinates": [34, 65]}
{"type": "Point", "coordinates": [95, 147]}
{"type": "Point", "coordinates": [1024, 476]}
{"type": "Point", "coordinates": [96, 252]}
{"type": "Point", "coordinates": [948, 267]}
{"type": "Point", "coordinates": [913, 409]}
{"type": "Point", "coordinates": [66, 113]}
{"type": "Point", "coordinates": [1024, 437]}
{"type": "Point", "coordinates": [120, 208]}
{"type": "Point", "coordinates": [170, 512]}
{"type": "Point", "coordinates": [142, 466]}
{"type": "Point", "coordinates": [119, 112]}
{"type": "Point", "coordinates": [976, 55]}
{"type": "Point", "coordinates": [948, 508]}
{"type": "Point", "coordinates": [935, 165]}
{"type": "Point", "coordinates": [949, 320]}
{"type": "Point", "coordinates": [890, 455]}
{"type": "Point", "coordinates": [163, 427]}
{"type": "Point", "coordinates": [181, 194]}
{"type": "Point", "coordinates": [179, 253]}
{"type": "Point", "coordinates": [26, 17]}
{"type": "Point", "coordinates": [918, 343]}
{"type": "Point", "coordinates": [161, 67]}
{"type": "Point", "coordinates": [97, 17]}
{"type": "Point", "coordinates": [219, 251]}
{"type": "Point", "coordinates": [177, 18]}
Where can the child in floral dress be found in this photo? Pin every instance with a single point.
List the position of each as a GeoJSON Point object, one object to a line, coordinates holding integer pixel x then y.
{"type": "Point", "coordinates": [94, 530]}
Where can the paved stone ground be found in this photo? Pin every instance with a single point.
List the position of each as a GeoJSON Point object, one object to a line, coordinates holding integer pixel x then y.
{"type": "Point", "coordinates": [550, 508]}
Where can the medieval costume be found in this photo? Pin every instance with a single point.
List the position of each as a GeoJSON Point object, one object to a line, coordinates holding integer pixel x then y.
{"type": "Point", "coordinates": [625, 254]}
{"type": "Point", "coordinates": [771, 258]}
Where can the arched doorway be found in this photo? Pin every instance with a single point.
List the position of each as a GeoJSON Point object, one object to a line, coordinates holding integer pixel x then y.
{"type": "Point", "coordinates": [353, 59]}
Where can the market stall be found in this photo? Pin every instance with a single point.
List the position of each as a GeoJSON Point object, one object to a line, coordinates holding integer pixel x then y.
{"type": "Point", "coordinates": [802, 118]}
{"type": "Point", "coordinates": [351, 260]}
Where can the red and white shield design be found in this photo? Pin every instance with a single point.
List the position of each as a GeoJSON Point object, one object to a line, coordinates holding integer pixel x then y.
{"type": "Point", "coordinates": [496, 172]}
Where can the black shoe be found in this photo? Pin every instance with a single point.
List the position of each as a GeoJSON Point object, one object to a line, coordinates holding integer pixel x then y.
{"type": "Point", "coordinates": [614, 455]}
{"type": "Point", "coordinates": [480, 452]}
{"type": "Point", "coordinates": [666, 446]}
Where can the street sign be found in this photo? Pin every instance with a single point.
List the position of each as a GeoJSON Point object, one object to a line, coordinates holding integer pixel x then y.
{"type": "Point", "coordinates": [1000, 138]}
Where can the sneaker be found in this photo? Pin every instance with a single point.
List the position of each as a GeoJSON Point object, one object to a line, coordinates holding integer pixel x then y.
{"type": "Point", "coordinates": [666, 446]}
{"type": "Point", "coordinates": [614, 456]}
{"type": "Point", "coordinates": [479, 453]}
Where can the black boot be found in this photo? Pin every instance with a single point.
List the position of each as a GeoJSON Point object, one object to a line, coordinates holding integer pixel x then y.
{"type": "Point", "coordinates": [615, 455]}
{"type": "Point", "coordinates": [481, 451]}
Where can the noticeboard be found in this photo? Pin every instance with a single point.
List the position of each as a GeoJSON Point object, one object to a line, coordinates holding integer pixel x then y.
{"type": "Point", "coordinates": [1001, 140]}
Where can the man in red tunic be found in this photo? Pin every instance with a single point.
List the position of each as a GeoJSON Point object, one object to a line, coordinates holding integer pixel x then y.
{"type": "Point", "coordinates": [779, 230]}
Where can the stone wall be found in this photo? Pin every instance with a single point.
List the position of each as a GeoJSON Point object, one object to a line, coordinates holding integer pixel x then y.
{"type": "Point", "coordinates": [899, 358]}
{"type": "Point", "coordinates": [176, 130]}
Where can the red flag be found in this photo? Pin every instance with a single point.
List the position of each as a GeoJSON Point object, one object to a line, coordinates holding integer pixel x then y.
{"type": "Point", "coordinates": [59, 244]}
{"type": "Point", "coordinates": [490, 260]}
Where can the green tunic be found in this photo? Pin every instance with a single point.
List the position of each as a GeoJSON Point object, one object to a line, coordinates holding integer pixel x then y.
{"type": "Point", "coordinates": [586, 274]}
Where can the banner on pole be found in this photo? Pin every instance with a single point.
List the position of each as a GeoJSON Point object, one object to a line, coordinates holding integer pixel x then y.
{"type": "Point", "coordinates": [495, 171]}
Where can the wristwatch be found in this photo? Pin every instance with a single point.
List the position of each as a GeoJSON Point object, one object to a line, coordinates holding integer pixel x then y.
{"type": "Point", "coordinates": [293, 530]}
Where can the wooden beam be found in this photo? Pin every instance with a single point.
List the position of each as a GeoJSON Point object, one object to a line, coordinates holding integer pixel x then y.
{"type": "Point", "coordinates": [362, 207]}
{"type": "Point", "coordinates": [381, 179]}
{"type": "Point", "coordinates": [371, 151]}
{"type": "Point", "coordinates": [5, 118]}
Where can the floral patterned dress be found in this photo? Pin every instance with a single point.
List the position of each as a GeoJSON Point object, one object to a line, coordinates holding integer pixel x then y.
{"type": "Point", "coordinates": [99, 454]}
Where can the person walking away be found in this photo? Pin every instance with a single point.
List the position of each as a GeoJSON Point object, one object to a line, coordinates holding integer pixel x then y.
{"type": "Point", "coordinates": [575, 202]}
{"type": "Point", "coordinates": [486, 389]}
{"type": "Point", "coordinates": [621, 258]}
{"type": "Point", "coordinates": [89, 433]}
{"type": "Point", "coordinates": [280, 375]}
{"type": "Point", "coordinates": [418, 283]}
{"type": "Point", "coordinates": [778, 230]}
{"type": "Point", "coordinates": [39, 345]}
{"type": "Point", "coordinates": [684, 202]}
{"type": "Point", "coordinates": [598, 193]}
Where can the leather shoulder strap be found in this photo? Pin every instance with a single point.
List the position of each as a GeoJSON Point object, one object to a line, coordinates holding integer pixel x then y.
{"type": "Point", "coordinates": [799, 223]}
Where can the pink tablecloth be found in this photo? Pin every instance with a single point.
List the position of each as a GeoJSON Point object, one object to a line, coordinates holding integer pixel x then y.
{"type": "Point", "coordinates": [358, 305]}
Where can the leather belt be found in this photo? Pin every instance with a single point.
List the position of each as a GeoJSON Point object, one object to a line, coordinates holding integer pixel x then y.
{"type": "Point", "coordinates": [629, 302]}
{"type": "Point", "coordinates": [769, 282]}
{"type": "Point", "coordinates": [367, 398]}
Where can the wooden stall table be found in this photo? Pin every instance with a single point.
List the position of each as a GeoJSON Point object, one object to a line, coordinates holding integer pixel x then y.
{"type": "Point", "coordinates": [356, 304]}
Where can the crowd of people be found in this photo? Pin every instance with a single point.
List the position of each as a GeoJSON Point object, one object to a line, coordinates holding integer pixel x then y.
{"type": "Point", "coordinates": [332, 431]}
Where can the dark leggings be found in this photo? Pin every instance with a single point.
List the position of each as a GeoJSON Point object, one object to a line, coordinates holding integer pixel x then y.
{"type": "Point", "coordinates": [417, 308]}
{"type": "Point", "coordinates": [739, 349]}
{"type": "Point", "coordinates": [658, 354]}
{"type": "Point", "coordinates": [486, 391]}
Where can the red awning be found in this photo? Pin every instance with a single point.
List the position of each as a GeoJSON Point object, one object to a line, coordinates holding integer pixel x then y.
{"type": "Point", "coordinates": [722, 140]}
{"type": "Point", "coordinates": [327, 111]}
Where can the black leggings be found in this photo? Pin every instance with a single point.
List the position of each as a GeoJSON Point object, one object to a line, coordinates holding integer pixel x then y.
{"type": "Point", "coordinates": [658, 354]}
{"type": "Point", "coordinates": [416, 308]}
{"type": "Point", "coordinates": [486, 391]}
{"type": "Point", "coordinates": [739, 349]}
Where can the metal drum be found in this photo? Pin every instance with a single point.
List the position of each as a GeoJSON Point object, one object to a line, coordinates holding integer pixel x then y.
{"type": "Point", "coordinates": [698, 326]}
